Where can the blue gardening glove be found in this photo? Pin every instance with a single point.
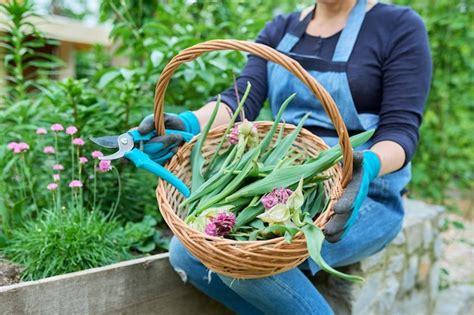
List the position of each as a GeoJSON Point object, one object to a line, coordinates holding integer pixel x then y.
{"type": "Point", "coordinates": [162, 148]}
{"type": "Point", "coordinates": [366, 169]}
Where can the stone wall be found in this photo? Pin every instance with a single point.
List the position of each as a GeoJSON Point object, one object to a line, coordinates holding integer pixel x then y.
{"type": "Point", "coordinates": [404, 277]}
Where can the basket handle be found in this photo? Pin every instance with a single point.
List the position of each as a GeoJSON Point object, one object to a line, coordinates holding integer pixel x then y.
{"type": "Point", "coordinates": [269, 54]}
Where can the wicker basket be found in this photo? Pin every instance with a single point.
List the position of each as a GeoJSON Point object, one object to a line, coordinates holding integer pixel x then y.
{"type": "Point", "coordinates": [246, 259]}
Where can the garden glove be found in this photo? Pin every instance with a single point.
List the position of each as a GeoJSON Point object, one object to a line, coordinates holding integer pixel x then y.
{"type": "Point", "coordinates": [162, 148]}
{"type": "Point", "coordinates": [366, 169]}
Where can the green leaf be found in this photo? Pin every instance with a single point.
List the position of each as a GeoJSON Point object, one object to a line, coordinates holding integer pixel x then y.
{"type": "Point", "coordinates": [197, 160]}
{"type": "Point", "coordinates": [156, 57]}
{"type": "Point", "coordinates": [248, 215]}
{"type": "Point", "coordinates": [107, 78]}
{"type": "Point", "coordinates": [314, 240]}
{"type": "Point", "coordinates": [285, 145]}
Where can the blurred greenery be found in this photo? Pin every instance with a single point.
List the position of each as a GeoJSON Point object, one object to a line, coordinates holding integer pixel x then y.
{"type": "Point", "coordinates": [106, 99]}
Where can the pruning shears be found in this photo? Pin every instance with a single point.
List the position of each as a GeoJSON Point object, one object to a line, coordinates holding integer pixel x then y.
{"type": "Point", "coordinates": [129, 146]}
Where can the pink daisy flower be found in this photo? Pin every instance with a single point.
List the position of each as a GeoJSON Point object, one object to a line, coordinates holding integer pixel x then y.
{"type": "Point", "coordinates": [104, 166]}
{"type": "Point", "coordinates": [49, 150]}
{"type": "Point", "coordinates": [58, 167]}
{"type": "Point", "coordinates": [12, 145]}
{"type": "Point", "coordinates": [78, 141]}
{"type": "Point", "coordinates": [97, 154]}
{"type": "Point", "coordinates": [52, 186]}
{"type": "Point", "coordinates": [41, 131]}
{"type": "Point", "coordinates": [83, 160]}
{"type": "Point", "coordinates": [57, 127]}
{"type": "Point", "coordinates": [71, 130]}
{"type": "Point", "coordinates": [75, 184]}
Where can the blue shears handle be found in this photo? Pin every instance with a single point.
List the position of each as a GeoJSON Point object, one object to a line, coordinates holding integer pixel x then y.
{"type": "Point", "coordinates": [139, 137]}
{"type": "Point", "coordinates": [142, 160]}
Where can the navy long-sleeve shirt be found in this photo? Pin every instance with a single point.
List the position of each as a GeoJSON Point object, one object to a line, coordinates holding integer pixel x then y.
{"type": "Point", "coordinates": [389, 70]}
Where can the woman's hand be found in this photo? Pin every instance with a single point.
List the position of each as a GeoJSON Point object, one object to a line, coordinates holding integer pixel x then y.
{"type": "Point", "coordinates": [162, 148]}
{"type": "Point", "coordinates": [367, 166]}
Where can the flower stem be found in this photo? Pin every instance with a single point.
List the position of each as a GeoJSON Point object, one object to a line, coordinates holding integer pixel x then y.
{"type": "Point", "coordinates": [95, 184]}
{"type": "Point", "coordinates": [28, 180]}
{"type": "Point", "coordinates": [119, 194]}
{"type": "Point", "coordinates": [72, 160]}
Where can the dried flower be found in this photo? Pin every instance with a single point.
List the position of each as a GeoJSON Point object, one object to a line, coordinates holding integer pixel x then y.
{"type": "Point", "coordinates": [234, 135]}
{"type": "Point", "coordinates": [12, 145]}
{"type": "Point", "coordinates": [57, 127]}
{"type": "Point", "coordinates": [56, 177]}
{"type": "Point", "coordinates": [71, 130]}
{"type": "Point", "coordinates": [75, 184]}
{"type": "Point", "coordinates": [58, 167]}
{"type": "Point", "coordinates": [49, 150]}
{"type": "Point", "coordinates": [78, 141]}
{"type": "Point", "coordinates": [97, 154]}
{"type": "Point", "coordinates": [83, 160]}
{"type": "Point", "coordinates": [41, 131]}
{"type": "Point", "coordinates": [104, 166]}
{"type": "Point", "coordinates": [52, 186]}
{"type": "Point", "coordinates": [278, 195]}
{"type": "Point", "coordinates": [221, 225]}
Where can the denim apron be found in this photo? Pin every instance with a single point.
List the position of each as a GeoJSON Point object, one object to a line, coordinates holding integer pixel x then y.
{"type": "Point", "coordinates": [384, 198]}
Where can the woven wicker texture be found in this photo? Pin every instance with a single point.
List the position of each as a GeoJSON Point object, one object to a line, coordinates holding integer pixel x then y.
{"type": "Point", "coordinates": [246, 259]}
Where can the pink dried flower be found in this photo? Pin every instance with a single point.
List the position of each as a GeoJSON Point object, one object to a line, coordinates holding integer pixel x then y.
{"type": "Point", "coordinates": [58, 167]}
{"type": "Point", "coordinates": [234, 135]}
{"type": "Point", "coordinates": [56, 177]}
{"type": "Point", "coordinates": [49, 150]}
{"type": "Point", "coordinates": [12, 145]}
{"type": "Point", "coordinates": [78, 141]}
{"type": "Point", "coordinates": [83, 160]}
{"type": "Point", "coordinates": [97, 154]}
{"type": "Point", "coordinates": [278, 195]}
{"type": "Point", "coordinates": [23, 146]}
{"type": "Point", "coordinates": [75, 184]}
{"type": "Point", "coordinates": [57, 127]}
{"type": "Point", "coordinates": [71, 130]}
{"type": "Point", "coordinates": [104, 166]}
{"type": "Point", "coordinates": [52, 186]}
{"type": "Point", "coordinates": [18, 147]}
{"type": "Point", "coordinates": [41, 131]}
{"type": "Point", "coordinates": [220, 225]}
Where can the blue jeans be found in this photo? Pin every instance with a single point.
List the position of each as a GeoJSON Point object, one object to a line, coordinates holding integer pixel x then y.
{"type": "Point", "coordinates": [291, 292]}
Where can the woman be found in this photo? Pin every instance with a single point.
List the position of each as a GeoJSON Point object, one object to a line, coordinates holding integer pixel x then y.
{"type": "Point", "coordinates": [374, 60]}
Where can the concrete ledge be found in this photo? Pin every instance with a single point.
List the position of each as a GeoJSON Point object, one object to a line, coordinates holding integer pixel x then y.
{"type": "Point", "coordinates": [401, 279]}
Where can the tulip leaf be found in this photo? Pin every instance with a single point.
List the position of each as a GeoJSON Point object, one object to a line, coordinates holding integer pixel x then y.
{"type": "Point", "coordinates": [314, 240]}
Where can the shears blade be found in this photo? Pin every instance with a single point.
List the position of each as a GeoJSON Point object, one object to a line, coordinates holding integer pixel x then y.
{"type": "Point", "coordinates": [110, 142]}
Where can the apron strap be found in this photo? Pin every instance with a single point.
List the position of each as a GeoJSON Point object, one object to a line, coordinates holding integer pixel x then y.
{"type": "Point", "coordinates": [350, 32]}
{"type": "Point", "coordinates": [293, 36]}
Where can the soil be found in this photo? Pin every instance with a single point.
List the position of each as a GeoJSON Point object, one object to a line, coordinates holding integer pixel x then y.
{"type": "Point", "coordinates": [9, 273]}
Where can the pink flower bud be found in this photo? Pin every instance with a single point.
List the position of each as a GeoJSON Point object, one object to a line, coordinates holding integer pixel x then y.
{"type": "Point", "coordinates": [83, 160]}
{"type": "Point", "coordinates": [104, 166]}
{"type": "Point", "coordinates": [75, 184]}
{"type": "Point", "coordinates": [71, 130]}
{"type": "Point", "coordinates": [234, 135]}
{"type": "Point", "coordinates": [97, 154]}
{"type": "Point", "coordinates": [52, 186]}
{"type": "Point", "coordinates": [56, 177]}
{"type": "Point", "coordinates": [58, 167]}
{"type": "Point", "coordinates": [48, 150]}
{"type": "Point", "coordinates": [278, 195]}
{"type": "Point", "coordinates": [78, 141]}
{"type": "Point", "coordinates": [41, 131]}
{"type": "Point", "coordinates": [57, 127]}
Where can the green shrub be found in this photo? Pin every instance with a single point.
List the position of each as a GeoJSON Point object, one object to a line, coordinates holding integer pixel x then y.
{"type": "Point", "coordinates": [66, 241]}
